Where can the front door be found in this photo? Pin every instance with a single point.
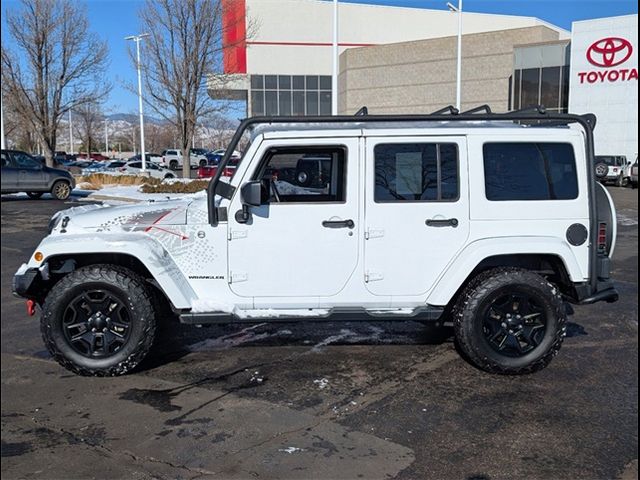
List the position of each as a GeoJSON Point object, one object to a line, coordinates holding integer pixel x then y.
{"type": "Point", "coordinates": [31, 176]}
{"type": "Point", "coordinates": [304, 241]}
{"type": "Point", "coordinates": [417, 211]}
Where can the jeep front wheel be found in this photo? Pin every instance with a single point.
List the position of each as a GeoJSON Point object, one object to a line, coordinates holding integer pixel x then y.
{"type": "Point", "coordinates": [98, 320]}
{"type": "Point", "coordinates": [510, 321]}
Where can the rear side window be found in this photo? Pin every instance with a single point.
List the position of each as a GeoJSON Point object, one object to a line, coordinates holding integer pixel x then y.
{"type": "Point", "coordinates": [530, 171]}
{"type": "Point", "coordinates": [416, 172]}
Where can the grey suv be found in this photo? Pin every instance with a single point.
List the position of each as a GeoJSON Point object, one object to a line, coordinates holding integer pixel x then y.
{"type": "Point", "coordinates": [23, 173]}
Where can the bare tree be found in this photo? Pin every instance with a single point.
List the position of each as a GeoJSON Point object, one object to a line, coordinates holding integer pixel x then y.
{"type": "Point", "coordinates": [90, 120]}
{"type": "Point", "coordinates": [55, 64]}
{"type": "Point", "coordinates": [184, 46]}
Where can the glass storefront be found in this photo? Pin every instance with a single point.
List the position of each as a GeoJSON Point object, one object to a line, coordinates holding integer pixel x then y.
{"type": "Point", "coordinates": [290, 95]}
{"type": "Point", "coordinates": [548, 86]}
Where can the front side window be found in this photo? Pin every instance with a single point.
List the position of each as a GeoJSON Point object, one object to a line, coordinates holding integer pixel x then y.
{"type": "Point", "coordinates": [24, 160]}
{"type": "Point", "coordinates": [416, 172]}
{"type": "Point", "coordinates": [305, 175]}
{"type": "Point", "coordinates": [530, 171]}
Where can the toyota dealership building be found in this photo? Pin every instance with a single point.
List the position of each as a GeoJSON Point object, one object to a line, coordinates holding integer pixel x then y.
{"type": "Point", "coordinates": [278, 60]}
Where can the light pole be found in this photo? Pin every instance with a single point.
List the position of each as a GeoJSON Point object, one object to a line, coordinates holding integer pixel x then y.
{"type": "Point", "coordinates": [137, 38]}
{"type": "Point", "coordinates": [70, 134]}
{"type": "Point", "coordinates": [106, 137]}
{"type": "Point", "coordinates": [458, 10]}
{"type": "Point", "coordinates": [334, 80]}
{"type": "Point", "coordinates": [2, 123]}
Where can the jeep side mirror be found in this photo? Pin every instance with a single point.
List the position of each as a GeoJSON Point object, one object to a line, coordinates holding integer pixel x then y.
{"type": "Point", "coordinates": [251, 193]}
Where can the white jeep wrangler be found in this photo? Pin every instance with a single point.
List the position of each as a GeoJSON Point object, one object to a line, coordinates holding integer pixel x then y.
{"type": "Point", "coordinates": [493, 223]}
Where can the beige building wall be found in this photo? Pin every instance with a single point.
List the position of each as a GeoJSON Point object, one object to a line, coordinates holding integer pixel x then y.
{"type": "Point", "coordinates": [420, 76]}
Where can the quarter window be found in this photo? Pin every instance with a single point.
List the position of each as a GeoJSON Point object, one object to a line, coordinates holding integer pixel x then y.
{"type": "Point", "coordinates": [423, 172]}
{"type": "Point", "coordinates": [530, 171]}
{"type": "Point", "coordinates": [305, 175]}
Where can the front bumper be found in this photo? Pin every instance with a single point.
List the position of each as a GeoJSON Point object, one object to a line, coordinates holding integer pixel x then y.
{"type": "Point", "coordinates": [24, 282]}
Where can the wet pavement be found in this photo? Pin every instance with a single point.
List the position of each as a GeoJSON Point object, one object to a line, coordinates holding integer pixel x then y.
{"type": "Point", "coordinates": [322, 400]}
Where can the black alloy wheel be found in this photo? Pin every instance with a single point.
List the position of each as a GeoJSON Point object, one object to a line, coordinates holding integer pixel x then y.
{"type": "Point", "coordinates": [96, 323]}
{"type": "Point", "coordinates": [514, 325]}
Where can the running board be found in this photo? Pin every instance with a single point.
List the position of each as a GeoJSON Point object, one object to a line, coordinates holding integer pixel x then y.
{"type": "Point", "coordinates": [338, 314]}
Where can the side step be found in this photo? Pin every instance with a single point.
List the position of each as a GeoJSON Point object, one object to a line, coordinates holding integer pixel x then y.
{"type": "Point", "coordinates": [424, 313]}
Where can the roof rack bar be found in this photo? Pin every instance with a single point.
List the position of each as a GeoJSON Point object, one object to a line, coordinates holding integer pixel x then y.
{"type": "Point", "coordinates": [480, 108]}
{"type": "Point", "coordinates": [541, 109]}
{"type": "Point", "coordinates": [363, 111]}
{"type": "Point", "coordinates": [538, 114]}
{"type": "Point", "coordinates": [448, 109]}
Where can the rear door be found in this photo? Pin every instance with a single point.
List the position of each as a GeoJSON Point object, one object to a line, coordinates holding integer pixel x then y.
{"type": "Point", "coordinates": [417, 211]}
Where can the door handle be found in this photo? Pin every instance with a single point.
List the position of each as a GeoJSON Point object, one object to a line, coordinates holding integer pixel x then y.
{"type": "Point", "coordinates": [338, 224]}
{"type": "Point", "coordinates": [448, 222]}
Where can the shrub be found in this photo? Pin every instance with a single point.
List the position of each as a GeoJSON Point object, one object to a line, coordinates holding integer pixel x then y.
{"type": "Point", "coordinates": [175, 187]}
{"type": "Point", "coordinates": [101, 179]}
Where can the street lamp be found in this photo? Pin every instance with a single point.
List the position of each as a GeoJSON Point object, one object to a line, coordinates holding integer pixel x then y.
{"type": "Point", "coordinates": [334, 80]}
{"type": "Point", "coordinates": [137, 38]}
{"type": "Point", "coordinates": [458, 10]}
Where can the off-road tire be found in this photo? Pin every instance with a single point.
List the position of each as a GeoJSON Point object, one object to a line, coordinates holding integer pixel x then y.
{"type": "Point", "coordinates": [173, 165]}
{"type": "Point", "coordinates": [202, 163]}
{"type": "Point", "coordinates": [34, 195]}
{"type": "Point", "coordinates": [468, 322]}
{"type": "Point", "coordinates": [61, 190]}
{"type": "Point", "coordinates": [143, 324]}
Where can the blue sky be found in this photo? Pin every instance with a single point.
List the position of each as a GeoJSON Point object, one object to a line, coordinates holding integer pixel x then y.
{"type": "Point", "coordinates": [115, 19]}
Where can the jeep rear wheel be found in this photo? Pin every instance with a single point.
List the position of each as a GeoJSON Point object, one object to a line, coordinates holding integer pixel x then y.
{"type": "Point", "coordinates": [510, 321]}
{"type": "Point", "coordinates": [61, 190]}
{"type": "Point", "coordinates": [173, 165]}
{"type": "Point", "coordinates": [99, 321]}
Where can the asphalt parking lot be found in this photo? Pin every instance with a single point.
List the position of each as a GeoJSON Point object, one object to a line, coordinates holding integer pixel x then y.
{"type": "Point", "coordinates": [322, 400]}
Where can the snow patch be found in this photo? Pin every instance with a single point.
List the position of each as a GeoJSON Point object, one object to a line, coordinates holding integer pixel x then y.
{"type": "Point", "coordinates": [322, 383]}
{"type": "Point", "coordinates": [291, 449]}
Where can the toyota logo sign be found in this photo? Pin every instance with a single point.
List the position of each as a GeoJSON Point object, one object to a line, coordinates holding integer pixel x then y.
{"type": "Point", "coordinates": [609, 52]}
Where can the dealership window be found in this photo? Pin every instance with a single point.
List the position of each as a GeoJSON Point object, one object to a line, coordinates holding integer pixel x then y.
{"type": "Point", "coordinates": [416, 172]}
{"type": "Point", "coordinates": [548, 86]}
{"type": "Point", "coordinates": [529, 171]}
{"type": "Point", "coordinates": [290, 95]}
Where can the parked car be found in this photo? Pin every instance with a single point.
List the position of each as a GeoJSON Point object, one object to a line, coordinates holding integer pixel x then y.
{"type": "Point", "coordinates": [172, 159]}
{"type": "Point", "coordinates": [21, 172]}
{"type": "Point", "coordinates": [101, 167]}
{"type": "Point", "coordinates": [154, 170]}
{"type": "Point", "coordinates": [210, 169]}
{"type": "Point", "coordinates": [98, 157]}
{"type": "Point", "coordinates": [612, 169]}
{"type": "Point", "coordinates": [477, 220]}
{"type": "Point", "coordinates": [633, 177]}
{"type": "Point", "coordinates": [149, 157]}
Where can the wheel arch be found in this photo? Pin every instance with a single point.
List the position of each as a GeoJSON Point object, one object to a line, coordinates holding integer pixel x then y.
{"type": "Point", "coordinates": [161, 273]}
{"type": "Point", "coordinates": [549, 258]}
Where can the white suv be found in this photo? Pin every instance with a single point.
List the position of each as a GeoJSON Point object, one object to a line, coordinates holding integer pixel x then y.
{"type": "Point", "coordinates": [472, 219]}
{"type": "Point", "coordinates": [172, 158]}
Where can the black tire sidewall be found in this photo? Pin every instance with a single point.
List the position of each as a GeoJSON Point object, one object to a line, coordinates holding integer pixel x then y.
{"type": "Point", "coordinates": [487, 287]}
{"type": "Point", "coordinates": [34, 195]}
{"type": "Point", "coordinates": [480, 342]}
{"type": "Point", "coordinates": [52, 319]}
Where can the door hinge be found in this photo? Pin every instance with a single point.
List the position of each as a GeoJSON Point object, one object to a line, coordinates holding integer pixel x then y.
{"type": "Point", "coordinates": [236, 234]}
{"type": "Point", "coordinates": [373, 277]}
{"type": "Point", "coordinates": [373, 233]}
{"type": "Point", "coordinates": [237, 277]}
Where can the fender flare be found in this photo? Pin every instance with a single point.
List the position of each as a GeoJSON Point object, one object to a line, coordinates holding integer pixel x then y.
{"type": "Point", "coordinates": [155, 258]}
{"type": "Point", "coordinates": [473, 254]}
